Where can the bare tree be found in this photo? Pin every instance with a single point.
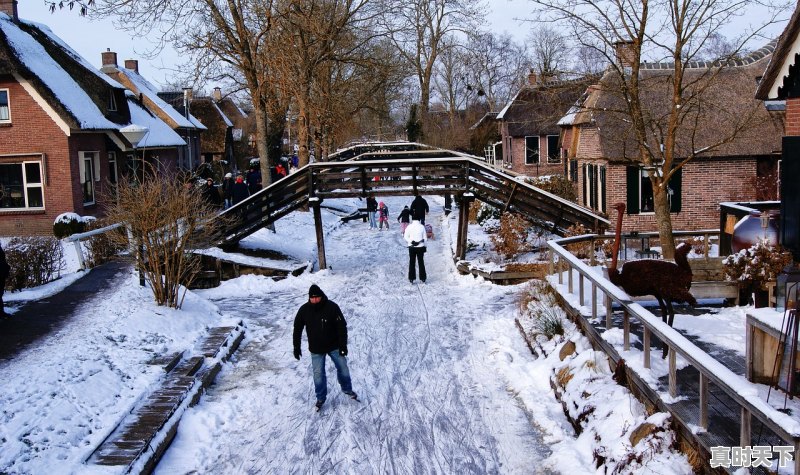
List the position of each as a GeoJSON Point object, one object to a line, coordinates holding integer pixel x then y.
{"type": "Point", "coordinates": [224, 34]}
{"type": "Point", "coordinates": [419, 28]}
{"type": "Point", "coordinates": [664, 113]}
{"type": "Point", "coordinates": [549, 50]}
{"type": "Point", "coordinates": [498, 65]}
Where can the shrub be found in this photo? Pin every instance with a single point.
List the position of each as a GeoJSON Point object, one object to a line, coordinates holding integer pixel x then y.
{"type": "Point", "coordinates": [104, 247]}
{"type": "Point", "coordinates": [558, 185]}
{"type": "Point", "coordinates": [755, 266]}
{"type": "Point", "coordinates": [34, 261]}
{"type": "Point", "coordinates": [510, 238]}
{"type": "Point", "coordinates": [580, 250]}
{"type": "Point", "coordinates": [67, 224]}
{"type": "Point", "coordinates": [486, 212]}
{"type": "Point", "coordinates": [548, 322]}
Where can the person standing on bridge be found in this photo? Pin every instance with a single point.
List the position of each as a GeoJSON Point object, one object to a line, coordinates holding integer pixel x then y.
{"type": "Point", "coordinates": [419, 208]}
{"type": "Point", "coordinates": [326, 330]}
{"type": "Point", "coordinates": [415, 236]}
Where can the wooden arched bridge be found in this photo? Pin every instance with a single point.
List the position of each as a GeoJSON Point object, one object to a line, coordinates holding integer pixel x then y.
{"type": "Point", "coordinates": [398, 170]}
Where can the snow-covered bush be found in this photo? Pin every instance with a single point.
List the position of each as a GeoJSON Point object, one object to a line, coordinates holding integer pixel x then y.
{"type": "Point", "coordinates": [510, 239]}
{"type": "Point", "coordinates": [67, 224]}
{"type": "Point", "coordinates": [558, 185]}
{"type": "Point", "coordinates": [753, 267]}
{"type": "Point", "coordinates": [34, 261]}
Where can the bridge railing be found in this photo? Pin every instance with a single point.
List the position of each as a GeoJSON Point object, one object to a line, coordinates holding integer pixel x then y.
{"type": "Point", "coordinates": [744, 393]}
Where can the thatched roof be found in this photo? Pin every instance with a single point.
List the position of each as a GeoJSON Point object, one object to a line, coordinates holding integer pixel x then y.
{"type": "Point", "coordinates": [725, 112]}
{"type": "Point", "coordinates": [536, 109]}
{"type": "Point", "coordinates": [71, 86]}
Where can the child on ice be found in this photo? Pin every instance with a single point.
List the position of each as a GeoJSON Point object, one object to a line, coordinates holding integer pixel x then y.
{"type": "Point", "coordinates": [383, 215]}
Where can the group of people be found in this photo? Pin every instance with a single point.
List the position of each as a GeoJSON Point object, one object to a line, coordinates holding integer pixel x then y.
{"type": "Point", "coordinates": [233, 190]}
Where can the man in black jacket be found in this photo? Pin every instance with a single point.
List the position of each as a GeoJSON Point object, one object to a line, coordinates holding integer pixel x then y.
{"type": "Point", "coordinates": [326, 330]}
{"type": "Point", "coordinates": [419, 208]}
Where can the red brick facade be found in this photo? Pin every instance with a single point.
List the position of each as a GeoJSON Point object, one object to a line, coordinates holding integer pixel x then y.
{"type": "Point", "coordinates": [33, 134]}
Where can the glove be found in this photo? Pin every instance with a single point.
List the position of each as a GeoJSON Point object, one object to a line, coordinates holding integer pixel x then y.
{"type": "Point", "coordinates": [297, 354]}
{"type": "Point", "coordinates": [343, 351]}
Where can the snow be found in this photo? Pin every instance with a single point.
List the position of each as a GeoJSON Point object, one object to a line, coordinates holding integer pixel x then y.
{"type": "Point", "coordinates": [447, 383]}
{"type": "Point", "coordinates": [159, 134]}
{"type": "Point", "coordinates": [144, 87]}
{"type": "Point", "coordinates": [61, 84]}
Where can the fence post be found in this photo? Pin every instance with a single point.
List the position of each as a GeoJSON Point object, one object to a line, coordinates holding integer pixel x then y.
{"type": "Point", "coordinates": [703, 401]}
{"type": "Point", "coordinates": [626, 334]}
{"type": "Point", "coordinates": [569, 277]}
{"type": "Point", "coordinates": [594, 300]}
{"type": "Point", "coordinates": [580, 289]}
{"type": "Point", "coordinates": [79, 250]}
{"type": "Point", "coordinates": [609, 313]}
{"type": "Point", "coordinates": [673, 372]}
{"type": "Point", "coordinates": [646, 346]}
{"type": "Point", "coordinates": [744, 435]}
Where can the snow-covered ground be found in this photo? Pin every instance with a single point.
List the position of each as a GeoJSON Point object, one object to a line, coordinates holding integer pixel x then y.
{"type": "Point", "coordinates": [447, 383]}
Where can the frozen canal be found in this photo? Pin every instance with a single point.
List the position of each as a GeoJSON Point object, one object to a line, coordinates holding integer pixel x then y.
{"type": "Point", "coordinates": [429, 362]}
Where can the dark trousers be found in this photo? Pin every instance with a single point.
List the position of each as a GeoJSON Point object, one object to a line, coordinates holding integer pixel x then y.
{"type": "Point", "coordinates": [416, 254]}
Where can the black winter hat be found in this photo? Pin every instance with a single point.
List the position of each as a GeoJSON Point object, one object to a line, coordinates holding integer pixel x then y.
{"type": "Point", "coordinates": [315, 291]}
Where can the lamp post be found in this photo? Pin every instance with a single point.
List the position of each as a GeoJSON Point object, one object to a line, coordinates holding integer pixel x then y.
{"type": "Point", "coordinates": [134, 134]}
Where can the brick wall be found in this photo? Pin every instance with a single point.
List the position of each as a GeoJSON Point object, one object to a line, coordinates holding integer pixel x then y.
{"type": "Point", "coordinates": [543, 168]}
{"type": "Point", "coordinates": [33, 131]}
{"type": "Point", "coordinates": [792, 123]}
{"type": "Point", "coordinates": [705, 184]}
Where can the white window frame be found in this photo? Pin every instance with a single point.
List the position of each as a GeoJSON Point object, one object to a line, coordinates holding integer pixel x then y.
{"type": "Point", "coordinates": [8, 108]}
{"type": "Point", "coordinates": [112, 101]}
{"type": "Point", "coordinates": [93, 158]}
{"type": "Point", "coordinates": [27, 186]}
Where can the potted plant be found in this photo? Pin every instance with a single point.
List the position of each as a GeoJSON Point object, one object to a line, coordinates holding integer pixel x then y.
{"type": "Point", "coordinates": [754, 267]}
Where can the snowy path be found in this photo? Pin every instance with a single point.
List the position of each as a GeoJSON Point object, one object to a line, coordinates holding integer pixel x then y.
{"type": "Point", "coordinates": [427, 362]}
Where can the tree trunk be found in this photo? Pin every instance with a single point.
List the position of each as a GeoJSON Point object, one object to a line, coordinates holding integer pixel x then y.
{"type": "Point", "coordinates": [277, 125]}
{"type": "Point", "coordinates": [302, 133]}
{"type": "Point", "coordinates": [663, 219]}
{"type": "Point", "coordinates": [261, 141]}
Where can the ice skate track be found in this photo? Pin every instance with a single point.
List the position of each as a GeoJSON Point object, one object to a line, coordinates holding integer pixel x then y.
{"type": "Point", "coordinates": [429, 395]}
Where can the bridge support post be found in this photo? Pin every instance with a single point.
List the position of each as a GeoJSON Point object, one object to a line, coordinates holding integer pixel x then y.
{"type": "Point", "coordinates": [315, 203]}
{"type": "Point", "coordinates": [463, 222]}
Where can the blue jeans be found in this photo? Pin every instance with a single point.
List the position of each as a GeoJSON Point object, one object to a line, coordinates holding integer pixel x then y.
{"type": "Point", "coordinates": [372, 219]}
{"type": "Point", "coordinates": [321, 381]}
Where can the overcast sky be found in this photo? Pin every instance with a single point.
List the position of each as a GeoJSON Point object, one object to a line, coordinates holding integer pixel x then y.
{"type": "Point", "coordinates": [91, 37]}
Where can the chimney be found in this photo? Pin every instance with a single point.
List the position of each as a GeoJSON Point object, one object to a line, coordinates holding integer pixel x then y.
{"type": "Point", "coordinates": [625, 52]}
{"type": "Point", "coordinates": [132, 64]}
{"type": "Point", "coordinates": [532, 78]}
{"type": "Point", "coordinates": [9, 7]}
{"type": "Point", "coordinates": [217, 94]}
{"type": "Point", "coordinates": [109, 60]}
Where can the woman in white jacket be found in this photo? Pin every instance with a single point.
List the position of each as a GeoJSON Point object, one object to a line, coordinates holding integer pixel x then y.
{"type": "Point", "coordinates": [415, 237]}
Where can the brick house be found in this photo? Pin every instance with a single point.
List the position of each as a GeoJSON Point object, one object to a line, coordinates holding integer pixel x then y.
{"type": "Point", "coordinates": [780, 86]}
{"type": "Point", "coordinates": [529, 129]}
{"type": "Point", "coordinates": [60, 121]}
{"type": "Point", "coordinates": [228, 128]}
{"type": "Point", "coordinates": [188, 127]}
{"type": "Point", "coordinates": [602, 153]}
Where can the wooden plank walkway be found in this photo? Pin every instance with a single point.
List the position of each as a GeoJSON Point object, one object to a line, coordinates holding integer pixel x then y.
{"type": "Point", "coordinates": [142, 437]}
{"type": "Point", "coordinates": [724, 418]}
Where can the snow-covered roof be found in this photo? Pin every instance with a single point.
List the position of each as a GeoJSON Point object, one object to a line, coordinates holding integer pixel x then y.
{"type": "Point", "coordinates": [222, 114]}
{"type": "Point", "coordinates": [160, 134]}
{"type": "Point", "coordinates": [501, 114]}
{"type": "Point", "coordinates": [147, 89]}
{"type": "Point", "coordinates": [32, 55]}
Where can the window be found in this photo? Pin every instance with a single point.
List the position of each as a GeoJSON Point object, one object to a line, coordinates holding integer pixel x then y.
{"type": "Point", "coordinates": [573, 171]}
{"type": "Point", "coordinates": [89, 166]}
{"type": "Point", "coordinates": [640, 191]}
{"type": "Point", "coordinates": [112, 101]}
{"type": "Point", "coordinates": [21, 185]}
{"type": "Point", "coordinates": [531, 150]}
{"type": "Point", "coordinates": [553, 152]}
{"type": "Point", "coordinates": [5, 109]}
{"type": "Point", "coordinates": [135, 169]}
{"type": "Point", "coordinates": [594, 187]}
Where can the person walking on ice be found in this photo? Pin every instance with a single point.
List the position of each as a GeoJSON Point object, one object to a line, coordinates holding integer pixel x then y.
{"type": "Point", "coordinates": [326, 330]}
{"type": "Point", "coordinates": [415, 237]}
{"type": "Point", "coordinates": [404, 219]}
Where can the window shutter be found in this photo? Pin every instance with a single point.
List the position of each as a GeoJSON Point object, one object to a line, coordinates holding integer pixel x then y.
{"type": "Point", "coordinates": [81, 168]}
{"type": "Point", "coordinates": [602, 207]}
{"type": "Point", "coordinates": [675, 185]}
{"type": "Point", "coordinates": [632, 175]}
